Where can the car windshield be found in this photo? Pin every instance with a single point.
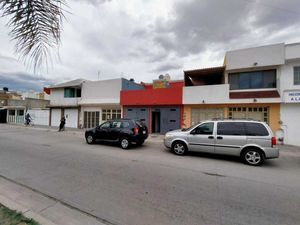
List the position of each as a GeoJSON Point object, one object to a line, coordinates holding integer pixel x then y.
{"type": "Point", "coordinates": [190, 128]}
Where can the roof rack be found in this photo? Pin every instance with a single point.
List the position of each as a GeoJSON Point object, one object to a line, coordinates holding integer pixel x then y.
{"type": "Point", "coordinates": [221, 118]}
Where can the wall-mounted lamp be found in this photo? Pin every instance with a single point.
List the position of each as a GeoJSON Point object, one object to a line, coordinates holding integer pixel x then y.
{"type": "Point", "coordinates": [203, 101]}
{"type": "Point", "coordinates": [255, 64]}
{"type": "Point", "coordinates": [254, 100]}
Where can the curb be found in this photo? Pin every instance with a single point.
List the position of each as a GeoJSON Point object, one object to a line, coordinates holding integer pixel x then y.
{"type": "Point", "coordinates": [45, 209]}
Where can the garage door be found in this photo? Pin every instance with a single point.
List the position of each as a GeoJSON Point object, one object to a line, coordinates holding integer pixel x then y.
{"type": "Point", "coordinates": [55, 117]}
{"type": "Point", "coordinates": [71, 118]}
{"type": "Point", "coordinates": [199, 115]}
{"type": "Point", "coordinates": [170, 119]}
{"type": "Point", "coordinates": [137, 113]}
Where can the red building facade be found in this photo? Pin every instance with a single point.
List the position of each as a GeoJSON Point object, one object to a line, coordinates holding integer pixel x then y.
{"type": "Point", "coordinates": [158, 105]}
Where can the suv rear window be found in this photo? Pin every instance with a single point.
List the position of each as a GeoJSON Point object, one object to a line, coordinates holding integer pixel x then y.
{"type": "Point", "coordinates": [139, 123]}
{"type": "Point", "coordinates": [231, 128]}
{"type": "Point", "coordinates": [256, 129]}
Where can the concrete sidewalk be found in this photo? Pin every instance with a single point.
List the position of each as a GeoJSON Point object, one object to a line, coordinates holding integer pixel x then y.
{"type": "Point", "coordinates": [42, 208]}
{"type": "Point", "coordinates": [153, 138]}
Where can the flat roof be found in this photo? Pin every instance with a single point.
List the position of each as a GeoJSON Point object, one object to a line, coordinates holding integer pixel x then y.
{"type": "Point", "coordinates": [209, 70]}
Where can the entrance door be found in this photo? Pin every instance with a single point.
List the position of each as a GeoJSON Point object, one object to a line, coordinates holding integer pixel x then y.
{"type": "Point", "coordinates": [156, 122]}
{"type": "Point", "coordinates": [3, 115]}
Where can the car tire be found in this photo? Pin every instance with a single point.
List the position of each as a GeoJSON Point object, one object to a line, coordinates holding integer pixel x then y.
{"type": "Point", "coordinates": [179, 148]}
{"type": "Point", "coordinates": [253, 157]}
{"type": "Point", "coordinates": [90, 139]}
{"type": "Point", "coordinates": [124, 143]}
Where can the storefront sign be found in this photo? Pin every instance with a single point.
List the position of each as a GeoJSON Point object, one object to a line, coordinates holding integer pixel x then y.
{"type": "Point", "coordinates": [292, 96]}
{"type": "Point", "coordinates": [160, 84]}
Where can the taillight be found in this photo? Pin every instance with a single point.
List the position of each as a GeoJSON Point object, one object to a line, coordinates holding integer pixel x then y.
{"type": "Point", "coordinates": [136, 130]}
{"type": "Point", "coordinates": [273, 141]}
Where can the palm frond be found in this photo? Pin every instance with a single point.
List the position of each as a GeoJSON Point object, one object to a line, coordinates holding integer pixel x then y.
{"type": "Point", "coordinates": [36, 27]}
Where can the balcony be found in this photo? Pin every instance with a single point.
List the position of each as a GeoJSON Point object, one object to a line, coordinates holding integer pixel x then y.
{"type": "Point", "coordinates": [207, 94]}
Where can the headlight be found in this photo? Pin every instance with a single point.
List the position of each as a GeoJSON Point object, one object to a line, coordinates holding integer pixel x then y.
{"type": "Point", "coordinates": [167, 135]}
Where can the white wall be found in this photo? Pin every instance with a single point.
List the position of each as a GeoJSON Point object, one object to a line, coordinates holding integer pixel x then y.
{"type": "Point", "coordinates": [211, 94]}
{"type": "Point", "coordinates": [290, 117]}
{"type": "Point", "coordinates": [264, 56]}
{"type": "Point", "coordinates": [40, 116]}
{"type": "Point", "coordinates": [101, 92]}
{"type": "Point", "coordinates": [292, 51]}
{"type": "Point", "coordinates": [57, 98]}
{"type": "Point", "coordinates": [287, 78]}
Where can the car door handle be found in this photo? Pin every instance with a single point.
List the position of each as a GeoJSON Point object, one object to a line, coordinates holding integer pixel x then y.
{"type": "Point", "coordinates": [219, 137]}
{"type": "Point", "coordinates": [210, 137]}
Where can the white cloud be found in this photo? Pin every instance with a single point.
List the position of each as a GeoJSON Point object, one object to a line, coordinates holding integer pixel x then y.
{"type": "Point", "coordinates": [142, 39]}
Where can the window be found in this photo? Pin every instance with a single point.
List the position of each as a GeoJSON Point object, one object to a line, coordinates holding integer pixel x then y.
{"type": "Point", "coordinates": [91, 119]}
{"type": "Point", "coordinates": [125, 124]}
{"type": "Point", "coordinates": [105, 125]}
{"type": "Point", "coordinates": [231, 128]}
{"type": "Point", "coordinates": [252, 80]}
{"type": "Point", "coordinates": [297, 75]}
{"type": "Point", "coordinates": [256, 129]}
{"type": "Point", "coordinates": [254, 113]}
{"type": "Point", "coordinates": [69, 92]}
{"type": "Point", "coordinates": [11, 112]}
{"type": "Point", "coordinates": [116, 124]}
{"type": "Point", "coordinates": [72, 93]}
{"type": "Point", "coordinates": [204, 129]}
{"type": "Point", "coordinates": [108, 114]}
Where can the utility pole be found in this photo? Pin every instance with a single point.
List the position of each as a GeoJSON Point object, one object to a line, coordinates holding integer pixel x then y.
{"type": "Point", "coordinates": [99, 74]}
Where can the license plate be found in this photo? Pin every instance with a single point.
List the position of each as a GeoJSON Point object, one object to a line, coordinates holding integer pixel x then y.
{"type": "Point", "coordinates": [144, 132]}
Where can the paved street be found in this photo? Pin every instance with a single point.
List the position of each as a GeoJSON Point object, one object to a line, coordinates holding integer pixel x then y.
{"type": "Point", "coordinates": [149, 185]}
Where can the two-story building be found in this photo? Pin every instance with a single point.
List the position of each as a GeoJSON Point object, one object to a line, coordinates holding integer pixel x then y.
{"type": "Point", "coordinates": [158, 105]}
{"type": "Point", "coordinates": [64, 98]}
{"type": "Point", "coordinates": [246, 87]}
{"type": "Point", "coordinates": [290, 94]}
{"type": "Point", "coordinates": [100, 100]}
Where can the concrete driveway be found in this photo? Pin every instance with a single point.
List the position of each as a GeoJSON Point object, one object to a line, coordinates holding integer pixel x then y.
{"type": "Point", "coordinates": [150, 185]}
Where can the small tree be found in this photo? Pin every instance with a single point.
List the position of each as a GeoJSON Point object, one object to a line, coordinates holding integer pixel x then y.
{"type": "Point", "coordinates": [35, 26]}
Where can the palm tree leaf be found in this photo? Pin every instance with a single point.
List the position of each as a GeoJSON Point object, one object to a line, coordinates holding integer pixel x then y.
{"type": "Point", "coordinates": [36, 27]}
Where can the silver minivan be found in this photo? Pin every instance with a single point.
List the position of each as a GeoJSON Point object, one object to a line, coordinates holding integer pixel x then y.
{"type": "Point", "coordinates": [252, 141]}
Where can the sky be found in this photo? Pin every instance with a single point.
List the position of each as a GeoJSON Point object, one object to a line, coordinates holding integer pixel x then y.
{"type": "Point", "coordinates": [104, 39]}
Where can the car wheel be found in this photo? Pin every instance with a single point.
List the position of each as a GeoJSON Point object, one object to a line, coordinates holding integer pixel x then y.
{"type": "Point", "coordinates": [90, 139]}
{"type": "Point", "coordinates": [124, 143]}
{"type": "Point", "coordinates": [179, 148]}
{"type": "Point", "coordinates": [253, 157]}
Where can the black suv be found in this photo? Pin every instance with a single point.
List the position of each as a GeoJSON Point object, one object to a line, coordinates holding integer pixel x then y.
{"type": "Point", "coordinates": [122, 131]}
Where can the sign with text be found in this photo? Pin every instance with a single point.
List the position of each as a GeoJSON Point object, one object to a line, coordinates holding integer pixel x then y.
{"type": "Point", "coordinates": [160, 84]}
{"type": "Point", "coordinates": [292, 96]}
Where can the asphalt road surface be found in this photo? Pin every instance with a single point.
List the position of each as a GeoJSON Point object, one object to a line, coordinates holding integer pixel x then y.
{"type": "Point", "coordinates": [150, 185]}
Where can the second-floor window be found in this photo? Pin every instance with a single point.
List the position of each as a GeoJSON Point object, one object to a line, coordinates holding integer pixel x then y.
{"type": "Point", "coordinates": [297, 75]}
{"type": "Point", "coordinates": [252, 80]}
{"type": "Point", "coordinates": [72, 93]}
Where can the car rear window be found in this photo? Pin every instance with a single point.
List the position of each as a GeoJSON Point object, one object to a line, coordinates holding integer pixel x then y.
{"type": "Point", "coordinates": [139, 123]}
{"type": "Point", "coordinates": [231, 128]}
{"type": "Point", "coordinates": [125, 124]}
{"type": "Point", "coordinates": [256, 129]}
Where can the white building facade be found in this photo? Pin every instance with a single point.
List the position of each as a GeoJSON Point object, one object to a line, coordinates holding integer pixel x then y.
{"type": "Point", "coordinates": [101, 100]}
{"type": "Point", "coordinates": [64, 100]}
{"type": "Point", "coordinates": [290, 95]}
